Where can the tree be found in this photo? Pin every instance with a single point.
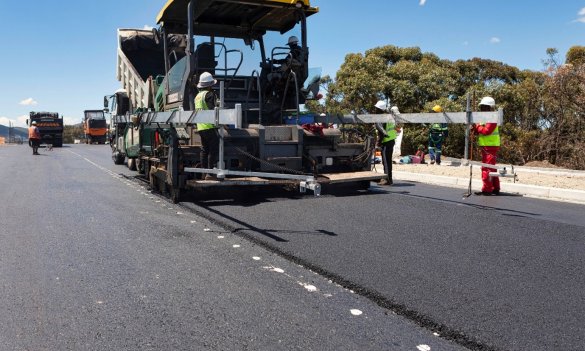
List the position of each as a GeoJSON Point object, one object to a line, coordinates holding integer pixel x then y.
{"type": "Point", "coordinates": [544, 112]}
{"type": "Point", "coordinates": [576, 56]}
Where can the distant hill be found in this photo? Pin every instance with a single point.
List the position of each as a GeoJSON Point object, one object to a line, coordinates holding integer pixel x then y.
{"type": "Point", "coordinates": [18, 132]}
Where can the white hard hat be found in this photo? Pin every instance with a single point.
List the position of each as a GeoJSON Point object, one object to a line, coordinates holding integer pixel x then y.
{"type": "Point", "coordinates": [381, 105]}
{"type": "Point", "coordinates": [292, 40]}
{"type": "Point", "coordinates": [34, 123]}
{"type": "Point", "coordinates": [394, 110]}
{"type": "Point", "coordinates": [488, 101]}
{"type": "Point", "coordinates": [206, 80]}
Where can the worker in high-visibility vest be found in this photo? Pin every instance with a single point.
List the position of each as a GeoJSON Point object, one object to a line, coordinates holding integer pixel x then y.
{"type": "Point", "coordinates": [437, 134]}
{"type": "Point", "coordinates": [387, 133]}
{"type": "Point", "coordinates": [206, 100]}
{"type": "Point", "coordinates": [489, 142]}
{"type": "Point", "coordinates": [34, 137]}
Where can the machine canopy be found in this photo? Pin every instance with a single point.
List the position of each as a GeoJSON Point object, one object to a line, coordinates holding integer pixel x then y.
{"type": "Point", "coordinates": [246, 19]}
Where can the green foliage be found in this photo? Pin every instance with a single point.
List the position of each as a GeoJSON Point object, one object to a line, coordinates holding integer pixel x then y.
{"type": "Point", "coordinates": [576, 55]}
{"type": "Point", "coordinates": [544, 112]}
{"type": "Point", "coordinates": [72, 132]}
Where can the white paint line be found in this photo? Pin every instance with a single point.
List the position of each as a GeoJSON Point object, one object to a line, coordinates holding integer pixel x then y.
{"type": "Point", "coordinates": [99, 302]}
{"type": "Point", "coordinates": [256, 258]}
{"type": "Point", "coordinates": [236, 246]}
{"type": "Point", "coordinates": [356, 312]}
{"type": "Point", "coordinates": [309, 287]}
{"type": "Point", "coordinates": [179, 213]}
{"type": "Point", "coordinates": [423, 347]}
{"type": "Point", "coordinates": [193, 222]}
{"type": "Point", "coordinates": [220, 236]}
{"type": "Point", "coordinates": [206, 230]}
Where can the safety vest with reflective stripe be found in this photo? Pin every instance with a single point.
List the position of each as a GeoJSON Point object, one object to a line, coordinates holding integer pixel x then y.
{"type": "Point", "coordinates": [391, 131]}
{"type": "Point", "coordinates": [490, 140]}
{"type": "Point", "coordinates": [33, 133]}
{"type": "Point", "coordinates": [200, 104]}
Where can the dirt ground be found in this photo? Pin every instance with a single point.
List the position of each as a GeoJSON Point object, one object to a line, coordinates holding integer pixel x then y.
{"type": "Point", "coordinates": [550, 177]}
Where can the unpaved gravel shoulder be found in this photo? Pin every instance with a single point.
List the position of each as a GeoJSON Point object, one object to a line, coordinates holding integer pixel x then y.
{"type": "Point", "coordinates": [555, 178]}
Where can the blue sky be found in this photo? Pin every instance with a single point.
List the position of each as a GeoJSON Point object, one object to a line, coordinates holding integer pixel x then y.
{"type": "Point", "coordinates": [61, 55]}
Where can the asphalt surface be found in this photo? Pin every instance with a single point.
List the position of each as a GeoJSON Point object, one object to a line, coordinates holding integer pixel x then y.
{"type": "Point", "coordinates": [502, 273]}
{"type": "Point", "coordinates": [92, 260]}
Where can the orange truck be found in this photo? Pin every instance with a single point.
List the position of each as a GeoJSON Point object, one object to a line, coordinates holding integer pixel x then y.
{"type": "Point", "coordinates": [94, 126]}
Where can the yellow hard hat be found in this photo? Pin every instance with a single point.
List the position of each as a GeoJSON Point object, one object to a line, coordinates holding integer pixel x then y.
{"type": "Point", "coordinates": [437, 108]}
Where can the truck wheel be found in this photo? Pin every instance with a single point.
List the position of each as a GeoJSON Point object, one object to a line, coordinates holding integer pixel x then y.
{"type": "Point", "coordinates": [118, 158]}
{"type": "Point", "coordinates": [131, 164]}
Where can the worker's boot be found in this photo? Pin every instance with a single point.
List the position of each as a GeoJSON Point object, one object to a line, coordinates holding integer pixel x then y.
{"type": "Point", "coordinates": [385, 181]}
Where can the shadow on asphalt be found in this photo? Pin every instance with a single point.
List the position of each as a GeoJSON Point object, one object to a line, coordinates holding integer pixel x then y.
{"type": "Point", "coordinates": [252, 196]}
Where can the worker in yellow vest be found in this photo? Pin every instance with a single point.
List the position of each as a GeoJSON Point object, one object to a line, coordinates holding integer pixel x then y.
{"type": "Point", "coordinates": [489, 143]}
{"type": "Point", "coordinates": [387, 132]}
{"type": "Point", "coordinates": [206, 100]}
{"type": "Point", "coordinates": [437, 134]}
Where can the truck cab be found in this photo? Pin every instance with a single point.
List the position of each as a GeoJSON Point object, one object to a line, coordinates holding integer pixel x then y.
{"type": "Point", "coordinates": [94, 126]}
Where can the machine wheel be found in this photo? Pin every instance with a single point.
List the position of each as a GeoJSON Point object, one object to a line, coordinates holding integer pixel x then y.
{"type": "Point", "coordinates": [152, 180]}
{"type": "Point", "coordinates": [175, 194]}
{"type": "Point", "coordinates": [140, 166]}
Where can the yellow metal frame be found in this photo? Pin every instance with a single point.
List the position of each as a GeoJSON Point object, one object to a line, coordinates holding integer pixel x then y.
{"type": "Point", "coordinates": [305, 3]}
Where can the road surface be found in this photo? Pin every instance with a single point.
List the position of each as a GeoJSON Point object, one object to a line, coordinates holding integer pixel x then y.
{"type": "Point", "coordinates": [99, 261]}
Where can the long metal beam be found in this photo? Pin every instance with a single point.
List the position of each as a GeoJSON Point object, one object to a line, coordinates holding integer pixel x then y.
{"type": "Point", "coordinates": [445, 117]}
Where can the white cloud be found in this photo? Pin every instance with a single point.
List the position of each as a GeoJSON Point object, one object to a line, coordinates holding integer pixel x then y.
{"type": "Point", "coordinates": [147, 27]}
{"type": "Point", "coordinates": [422, 2]}
{"type": "Point", "coordinates": [20, 121]}
{"type": "Point", "coordinates": [495, 40]}
{"type": "Point", "coordinates": [28, 102]}
{"type": "Point", "coordinates": [71, 120]}
{"type": "Point", "coordinates": [581, 15]}
{"type": "Point", "coordinates": [465, 43]}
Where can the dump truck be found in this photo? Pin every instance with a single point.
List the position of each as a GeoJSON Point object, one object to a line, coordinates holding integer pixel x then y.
{"type": "Point", "coordinates": [258, 113]}
{"type": "Point", "coordinates": [50, 126]}
{"type": "Point", "coordinates": [140, 69]}
{"type": "Point", "coordinates": [94, 126]}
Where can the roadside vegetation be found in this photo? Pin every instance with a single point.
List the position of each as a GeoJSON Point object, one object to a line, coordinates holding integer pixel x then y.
{"type": "Point", "coordinates": [72, 132]}
{"type": "Point", "coordinates": [544, 112]}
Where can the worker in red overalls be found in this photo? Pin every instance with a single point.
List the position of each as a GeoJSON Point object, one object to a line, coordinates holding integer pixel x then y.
{"type": "Point", "coordinates": [34, 137]}
{"type": "Point", "coordinates": [489, 143]}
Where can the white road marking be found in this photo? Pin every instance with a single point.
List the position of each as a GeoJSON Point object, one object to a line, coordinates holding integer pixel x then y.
{"type": "Point", "coordinates": [356, 312]}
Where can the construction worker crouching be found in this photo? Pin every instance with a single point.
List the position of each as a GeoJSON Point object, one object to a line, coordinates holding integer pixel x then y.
{"type": "Point", "coordinates": [34, 137]}
{"type": "Point", "coordinates": [437, 134]}
{"type": "Point", "coordinates": [387, 133]}
{"type": "Point", "coordinates": [489, 143]}
{"type": "Point", "coordinates": [206, 100]}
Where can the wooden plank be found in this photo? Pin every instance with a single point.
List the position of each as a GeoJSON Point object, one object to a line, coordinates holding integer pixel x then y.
{"type": "Point", "coordinates": [350, 177]}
